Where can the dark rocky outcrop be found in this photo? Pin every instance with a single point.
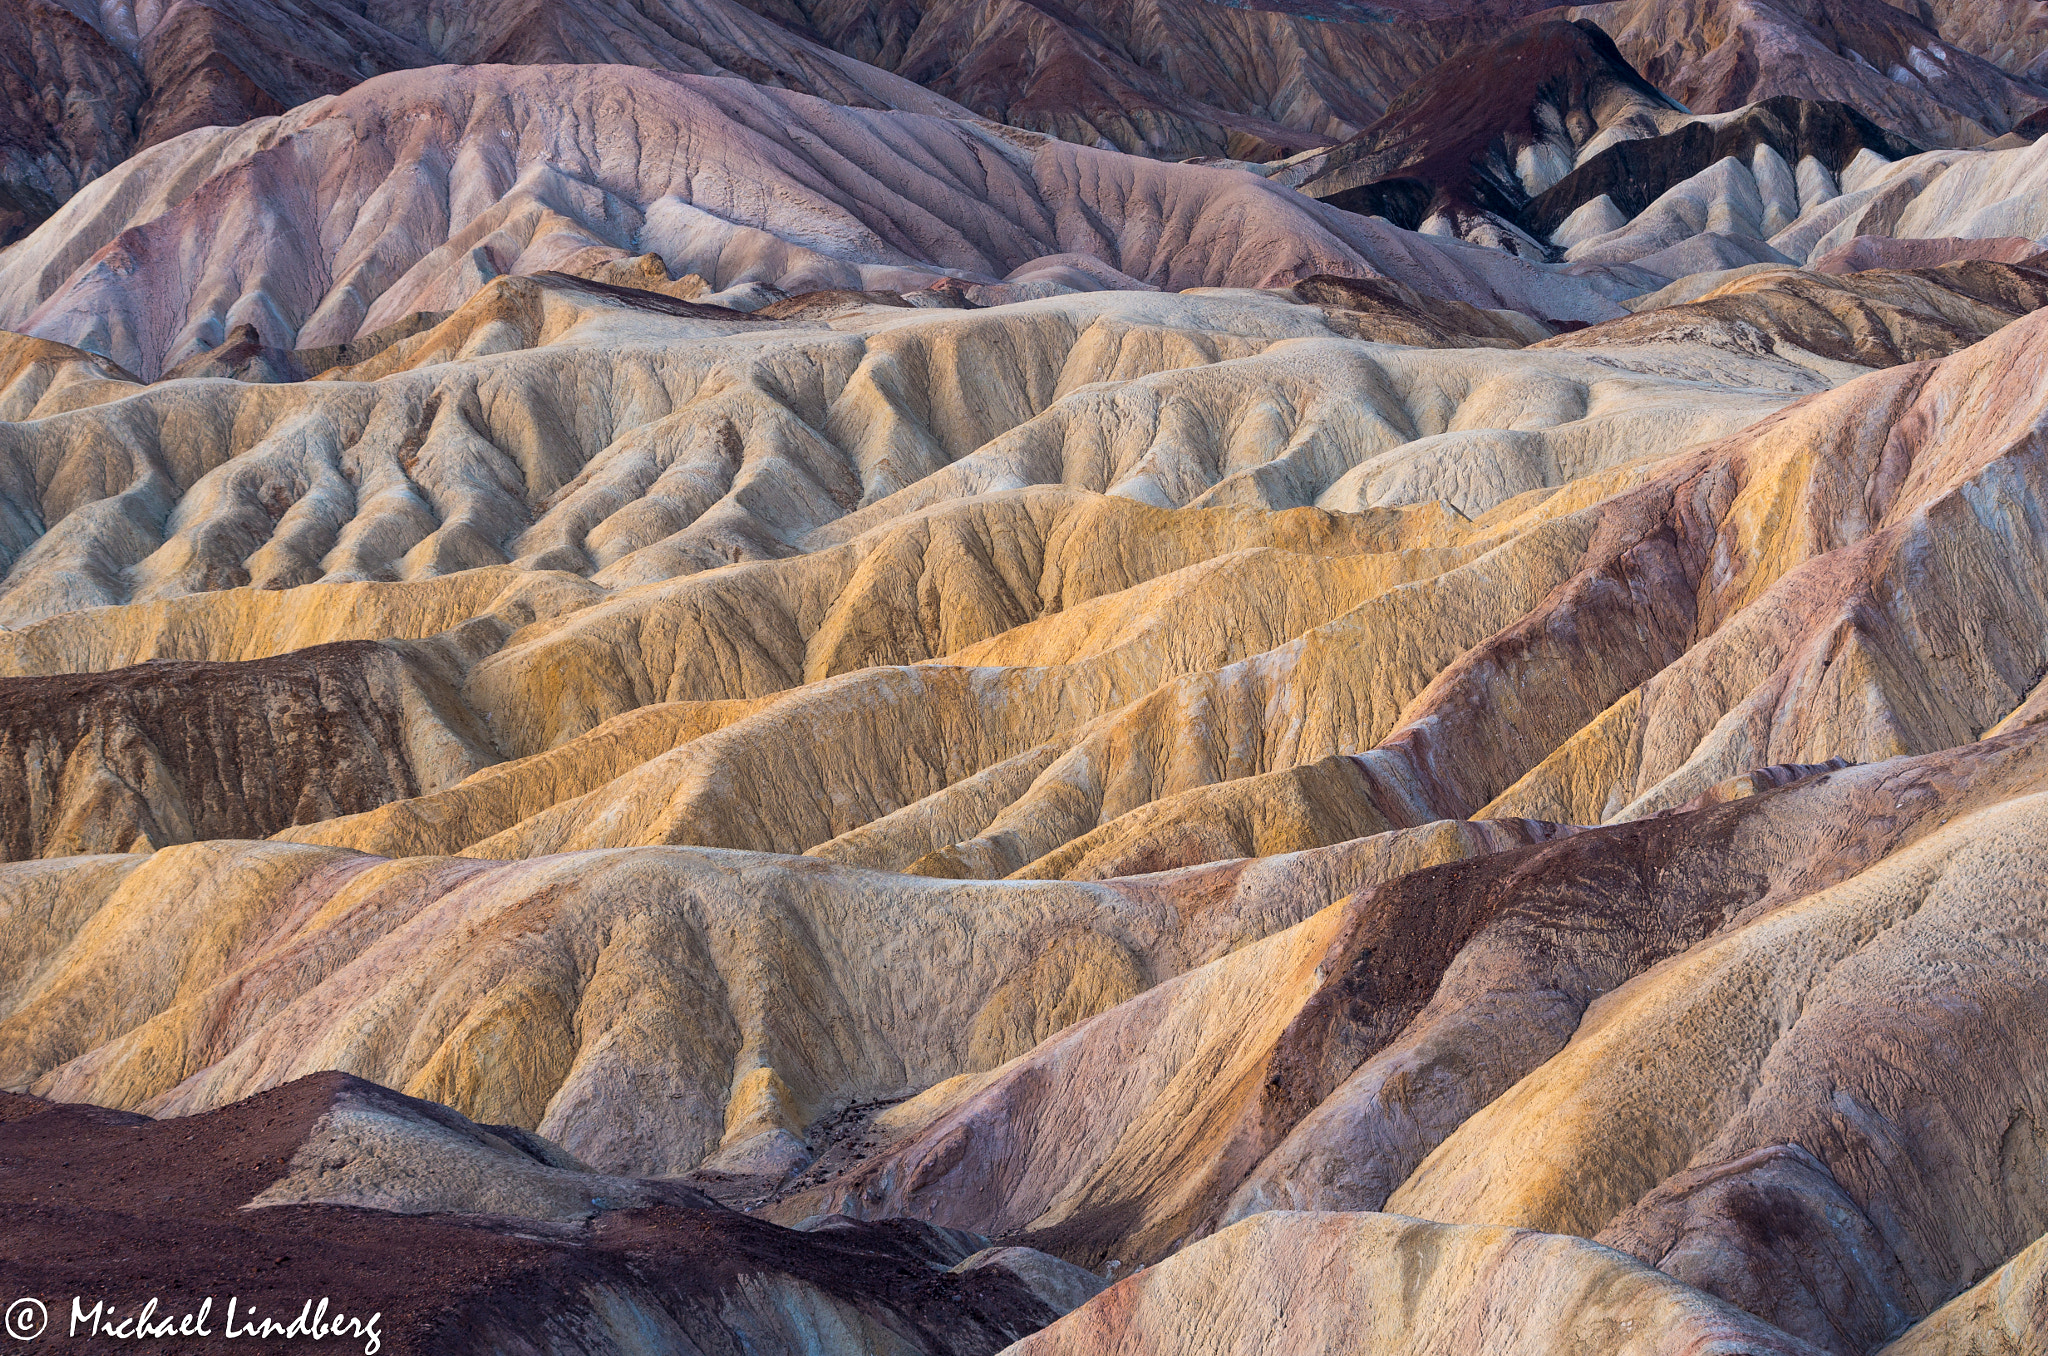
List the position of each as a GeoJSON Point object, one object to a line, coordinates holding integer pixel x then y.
{"type": "Point", "coordinates": [1636, 173]}
{"type": "Point", "coordinates": [1454, 142]}
{"type": "Point", "coordinates": [816, 305]}
{"type": "Point", "coordinates": [242, 356]}
{"type": "Point", "coordinates": [218, 64]}
{"type": "Point", "coordinates": [640, 299]}
{"type": "Point", "coordinates": [1884, 60]}
{"type": "Point", "coordinates": [120, 1208]}
{"type": "Point", "coordinates": [1169, 78]}
{"type": "Point", "coordinates": [68, 104]}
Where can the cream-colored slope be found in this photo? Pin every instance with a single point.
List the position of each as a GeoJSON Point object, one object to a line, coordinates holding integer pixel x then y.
{"type": "Point", "coordinates": [824, 760]}
{"type": "Point", "coordinates": [1759, 852]}
{"type": "Point", "coordinates": [1478, 672]}
{"type": "Point", "coordinates": [1871, 592]}
{"type": "Point", "coordinates": [511, 313]}
{"type": "Point", "coordinates": [1308, 805]}
{"type": "Point", "coordinates": [1342, 687]}
{"type": "Point", "coordinates": [1129, 1166]}
{"type": "Point", "coordinates": [919, 838]}
{"type": "Point", "coordinates": [594, 996]}
{"type": "Point", "coordinates": [1768, 1035]}
{"type": "Point", "coordinates": [1173, 623]}
{"type": "Point", "coordinates": [973, 580]}
{"type": "Point", "coordinates": [496, 798]}
{"type": "Point", "coordinates": [38, 377]}
{"type": "Point", "coordinates": [1758, 210]}
{"type": "Point", "coordinates": [1215, 611]}
{"type": "Point", "coordinates": [646, 1008]}
{"type": "Point", "coordinates": [655, 1006]}
{"type": "Point", "coordinates": [1278, 430]}
{"type": "Point", "coordinates": [1352, 678]}
{"type": "Point", "coordinates": [971, 571]}
{"type": "Point", "coordinates": [252, 623]}
{"type": "Point", "coordinates": [1041, 578]}
{"type": "Point", "coordinates": [1473, 649]}
{"type": "Point", "coordinates": [412, 477]}
{"type": "Point", "coordinates": [1250, 899]}
{"type": "Point", "coordinates": [373, 1150]}
{"type": "Point", "coordinates": [2001, 1315]}
{"type": "Point", "coordinates": [1345, 426]}
{"type": "Point", "coordinates": [915, 731]}
{"type": "Point", "coordinates": [1978, 195]}
{"type": "Point", "coordinates": [634, 445]}
{"type": "Point", "coordinates": [203, 484]}
{"type": "Point", "coordinates": [1382, 1285]}
{"type": "Point", "coordinates": [1319, 1067]}
{"type": "Point", "coordinates": [1716, 219]}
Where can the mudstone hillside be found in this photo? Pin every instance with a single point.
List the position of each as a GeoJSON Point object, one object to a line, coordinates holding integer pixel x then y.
{"type": "Point", "coordinates": [1156, 678]}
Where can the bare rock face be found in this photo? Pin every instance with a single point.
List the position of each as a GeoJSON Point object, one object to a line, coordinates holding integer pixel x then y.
{"type": "Point", "coordinates": [1168, 78]}
{"type": "Point", "coordinates": [1775, 1233]}
{"type": "Point", "coordinates": [89, 85]}
{"type": "Point", "coordinates": [1306, 1282]}
{"type": "Point", "coordinates": [69, 99]}
{"type": "Point", "coordinates": [1383, 310]}
{"type": "Point", "coordinates": [1715, 56]}
{"type": "Point", "coordinates": [168, 752]}
{"type": "Point", "coordinates": [661, 691]}
{"type": "Point", "coordinates": [1257, 82]}
{"type": "Point", "coordinates": [219, 65]}
{"type": "Point", "coordinates": [313, 362]}
{"type": "Point", "coordinates": [1497, 124]}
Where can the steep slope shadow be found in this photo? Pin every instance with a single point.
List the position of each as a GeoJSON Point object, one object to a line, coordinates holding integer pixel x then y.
{"type": "Point", "coordinates": [1499, 122]}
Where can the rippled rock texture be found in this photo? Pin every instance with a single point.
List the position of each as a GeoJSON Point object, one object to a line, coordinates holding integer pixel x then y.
{"type": "Point", "coordinates": [660, 690]}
